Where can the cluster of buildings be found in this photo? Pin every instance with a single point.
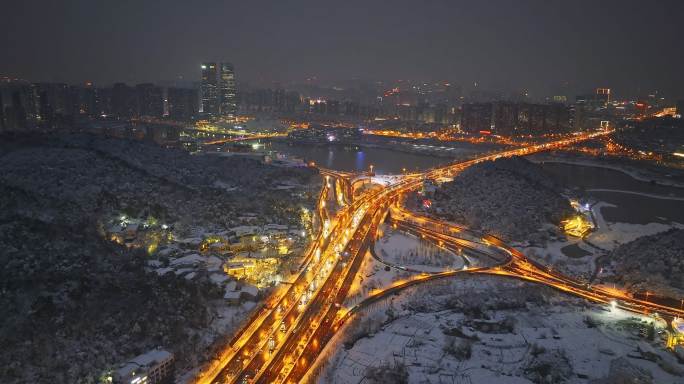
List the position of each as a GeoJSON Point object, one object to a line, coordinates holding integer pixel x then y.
{"type": "Point", "coordinates": [589, 112]}
{"type": "Point", "coordinates": [410, 107]}
{"type": "Point", "coordinates": [26, 106]}
{"type": "Point", "coordinates": [266, 100]}
{"type": "Point", "coordinates": [508, 119]}
{"type": "Point", "coordinates": [138, 233]}
{"type": "Point", "coordinates": [317, 133]}
{"type": "Point", "coordinates": [255, 255]}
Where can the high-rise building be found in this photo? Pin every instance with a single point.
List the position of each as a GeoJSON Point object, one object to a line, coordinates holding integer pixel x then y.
{"type": "Point", "coordinates": [18, 113]}
{"type": "Point", "coordinates": [227, 91]}
{"type": "Point", "coordinates": [104, 101]}
{"type": "Point", "coordinates": [54, 101]}
{"type": "Point", "coordinates": [476, 117]}
{"type": "Point", "coordinates": [209, 89]}
{"type": "Point", "coordinates": [150, 100]}
{"type": "Point", "coordinates": [513, 118]}
{"type": "Point", "coordinates": [537, 119]}
{"type": "Point", "coordinates": [351, 108]}
{"type": "Point", "coordinates": [603, 95]}
{"type": "Point", "coordinates": [441, 113]}
{"type": "Point", "coordinates": [123, 101]}
{"type": "Point", "coordinates": [595, 101]}
{"type": "Point", "coordinates": [557, 119]}
{"type": "Point", "coordinates": [182, 103]}
{"type": "Point", "coordinates": [505, 118]}
{"type": "Point", "coordinates": [88, 100]}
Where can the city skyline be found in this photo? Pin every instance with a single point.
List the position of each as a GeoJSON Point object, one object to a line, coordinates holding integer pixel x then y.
{"type": "Point", "coordinates": [379, 192]}
{"type": "Point", "coordinates": [531, 46]}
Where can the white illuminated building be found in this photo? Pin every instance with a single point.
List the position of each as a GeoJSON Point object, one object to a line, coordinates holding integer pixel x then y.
{"type": "Point", "coordinates": [153, 367]}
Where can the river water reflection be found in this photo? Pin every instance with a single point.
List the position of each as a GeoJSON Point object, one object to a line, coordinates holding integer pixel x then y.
{"type": "Point", "coordinates": [633, 207]}
{"type": "Point", "coordinates": [630, 208]}
{"type": "Point", "coordinates": [358, 158]}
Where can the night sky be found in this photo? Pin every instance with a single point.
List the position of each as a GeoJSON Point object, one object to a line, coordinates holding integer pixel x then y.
{"type": "Point", "coordinates": [545, 46]}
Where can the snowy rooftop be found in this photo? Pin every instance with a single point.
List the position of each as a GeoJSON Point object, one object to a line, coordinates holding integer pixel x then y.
{"type": "Point", "coordinates": [192, 259]}
{"type": "Point", "coordinates": [245, 230]}
{"type": "Point", "coordinates": [218, 278]}
{"type": "Point", "coordinates": [148, 359]}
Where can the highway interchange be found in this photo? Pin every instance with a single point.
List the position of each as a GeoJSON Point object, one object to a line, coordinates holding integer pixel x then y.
{"type": "Point", "coordinates": [280, 342]}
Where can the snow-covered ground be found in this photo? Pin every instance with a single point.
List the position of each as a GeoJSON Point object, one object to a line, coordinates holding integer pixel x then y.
{"type": "Point", "coordinates": [372, 275]}
{"type": "Point", "coordinates": [398, 248]}
{"type": "Point", "coordinates": [489, 330]}
{"type": "Point", "coordinates": [404, 249]}
{"type": "Point", "coordinates": [606, 237]}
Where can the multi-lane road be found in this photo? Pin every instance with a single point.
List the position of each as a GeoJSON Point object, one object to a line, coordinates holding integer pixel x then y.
{"type": "Point", "coordinates": [519, 266]}
{"type": "Point", "coordinates": [281, 341]}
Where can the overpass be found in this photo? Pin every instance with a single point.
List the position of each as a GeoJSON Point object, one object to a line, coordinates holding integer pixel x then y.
{"type": "Point", "coordinates": [282, 342]}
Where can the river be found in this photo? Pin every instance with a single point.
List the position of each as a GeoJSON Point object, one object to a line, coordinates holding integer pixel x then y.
{"type": "Point", "coordinates": [636, 201]}
{"type": "Point", "coordinates": [360, 158]}
{"type": "Point", "coordinates": [635, 207]}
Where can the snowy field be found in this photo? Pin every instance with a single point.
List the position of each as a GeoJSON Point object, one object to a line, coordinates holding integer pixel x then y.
{"type": "Point", "coordinates": [489, 330]}
{"type": "Point", "coordinates": [397, 248]}
{"type": "Point", "coordinates": [372, 275]}
{"type": "Point", "coordinates": [404, 249]}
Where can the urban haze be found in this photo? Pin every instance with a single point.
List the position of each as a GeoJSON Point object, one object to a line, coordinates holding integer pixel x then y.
{"type": "Point", "coordinates": [219, 192]}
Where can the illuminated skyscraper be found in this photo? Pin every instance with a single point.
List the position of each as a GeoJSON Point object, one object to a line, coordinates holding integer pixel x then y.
{"type": "Point", "coordinates": [209, 89]}
{"type": "Point", "coordinates": [603, 95]}
{"type": "Point", "coordinates": [227, 91]}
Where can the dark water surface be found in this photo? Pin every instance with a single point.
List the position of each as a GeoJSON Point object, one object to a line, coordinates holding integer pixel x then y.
{"type": "Point", "coordinates": [357, 158]}
{"type": "Point", "coordinates": [629, 208]}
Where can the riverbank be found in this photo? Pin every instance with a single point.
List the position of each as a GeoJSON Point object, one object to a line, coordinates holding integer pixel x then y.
{"type": "Point", "coordinates": [671, 178]}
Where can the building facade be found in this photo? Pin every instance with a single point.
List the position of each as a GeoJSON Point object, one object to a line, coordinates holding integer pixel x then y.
{"type": "Point", "coordinates": [209, 89]}
{"type": "Point", "coordinates": [149, 100]}
{"type": "Point", "coordinates": [516, 119]}
{"type": "Point", "coordinates": [476, 117]}
{"type": "Point", "coordinates": [182, 103]}
{"type": "Point", "coordinates": [153, 367]}
{"type": "Point", "coordinates": [227, 90]}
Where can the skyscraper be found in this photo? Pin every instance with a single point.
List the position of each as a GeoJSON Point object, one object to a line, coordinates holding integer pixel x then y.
{"type": "Point", "coordinates": [476, 117]}
{"type": "Point", "coordinates": [505, 118]}
{"type": "Point", "coordinates": [88, 100]}
{"type": "Point", "coordinates": [150, 100]}
{"type": "Point", "coordinates": [123, 101]}
{"type": "Point", "coordinates": [182, 103]}
{"type": "Point", "coordinates": [227, 92]}
{"type": "Point", "coordinates": [209, 89]}
{"type": "Point", "coordinates": [603, 96]}
{"type": "Point", "coordinates": [19, 115]}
